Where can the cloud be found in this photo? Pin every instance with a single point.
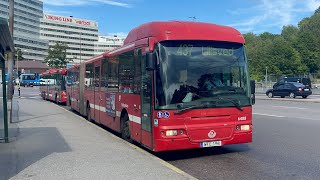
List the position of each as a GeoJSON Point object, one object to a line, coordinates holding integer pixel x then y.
{"type": "Point", "coordinates": [273, 13]}
{"type": "Point", "coordinates": [313, 4]}
{"type": "Point", "coordinates": [85, 2]}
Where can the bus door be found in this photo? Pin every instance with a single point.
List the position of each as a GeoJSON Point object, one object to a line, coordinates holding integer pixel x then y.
{"type": "Point", "coordinates": [103, 91]}
{"type": "Point", "coordinates": [146, 100]}
{"type": "Point", "coordinates": [97, 94]}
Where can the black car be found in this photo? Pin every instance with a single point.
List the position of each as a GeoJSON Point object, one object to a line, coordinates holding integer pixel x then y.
{"type": "Point", "coordinates": [305, 81]}
{"type": "Point", "coordinates": [291, 89]}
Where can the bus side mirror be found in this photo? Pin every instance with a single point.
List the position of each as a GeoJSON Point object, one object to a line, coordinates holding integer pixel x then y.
{"type": "Point", "coordinates": [253, 91]}
{"type": "Point", "coordinates": [253, 86]}
{"type": "Point", "coordinates": [151, 61]}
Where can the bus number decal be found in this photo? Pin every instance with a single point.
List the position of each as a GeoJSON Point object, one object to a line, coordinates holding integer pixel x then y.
{"type": "Point", "coordinates": [185, 50]}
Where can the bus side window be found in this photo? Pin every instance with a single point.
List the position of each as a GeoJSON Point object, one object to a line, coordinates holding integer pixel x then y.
{"type": "Point", "coordinates": [137, 72]}
{"type": "Point", "coordinates": [104, 75]}
{"type": "Point", "coordinates": [89, 76]}
{"type": "Point", "coordinates": [126, 72]}
{"type": "Point", "coordinates": [113, 75]}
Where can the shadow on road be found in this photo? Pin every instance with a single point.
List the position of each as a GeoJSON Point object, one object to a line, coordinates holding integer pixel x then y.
{"type": "Point", "coordinates": [195, 153]}
{"type": "Point", "coordinates": [32, 145]}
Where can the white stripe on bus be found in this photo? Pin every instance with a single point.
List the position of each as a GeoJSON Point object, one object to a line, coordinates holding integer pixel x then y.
{"type": "Point", "coordinates": [132, 118]}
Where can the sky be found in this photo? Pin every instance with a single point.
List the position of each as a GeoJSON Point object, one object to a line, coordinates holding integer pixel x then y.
{"type": "Point", "coordinates": [118, 17]}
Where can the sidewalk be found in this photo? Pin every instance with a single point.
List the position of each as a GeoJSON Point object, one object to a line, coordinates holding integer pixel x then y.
{"type": "Point", "coordinates": [54, 143]}
{"type": "Point", "coordinates": [13, 128]}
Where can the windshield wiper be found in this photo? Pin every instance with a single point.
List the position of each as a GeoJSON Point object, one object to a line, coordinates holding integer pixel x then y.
{"type": "Point", "coordinates": [238, 106]}
{"type": "Point", "coordinates": [202, 105]}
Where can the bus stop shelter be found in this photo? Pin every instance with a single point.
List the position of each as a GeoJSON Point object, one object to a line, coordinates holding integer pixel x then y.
{"type": "Point", "coordinates": [6, 45]}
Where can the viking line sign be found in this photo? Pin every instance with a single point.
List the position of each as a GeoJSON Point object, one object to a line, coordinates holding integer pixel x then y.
{"type": "Point", "coordinates": [70, 20]}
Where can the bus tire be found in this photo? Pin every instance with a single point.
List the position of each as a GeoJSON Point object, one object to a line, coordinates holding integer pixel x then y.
{"type": "Point", "coordinates": [125, 127]}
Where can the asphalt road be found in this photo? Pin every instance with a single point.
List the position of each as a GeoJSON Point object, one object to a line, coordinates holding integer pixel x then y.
{"type": "Point", "coordinates": [285, 146]}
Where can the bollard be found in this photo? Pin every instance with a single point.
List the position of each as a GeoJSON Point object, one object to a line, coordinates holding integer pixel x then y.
{"type": "Point", "coordinates": [19, 90]}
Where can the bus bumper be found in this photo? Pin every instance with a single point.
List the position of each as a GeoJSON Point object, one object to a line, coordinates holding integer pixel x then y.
{"type": "Point", "coordinates": [184, 143]}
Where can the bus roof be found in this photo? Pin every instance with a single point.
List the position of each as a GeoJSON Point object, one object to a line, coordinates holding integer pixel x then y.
{"type": "Point", "coordinates": [184, 30]}
{"type": "Point", "coordinates": [177, 30]}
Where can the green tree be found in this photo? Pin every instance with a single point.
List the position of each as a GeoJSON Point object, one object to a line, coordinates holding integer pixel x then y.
{"type": "Point", "coordinates": [290, 33]}
{"type": "Point", "coordinates": [284, 59]}
{"type": "Point", "coordinates": [317, 11]}
{"type": "Point", "coordinates": [309, 42]}
{"type": "Point", "coordinates": [57, 56]}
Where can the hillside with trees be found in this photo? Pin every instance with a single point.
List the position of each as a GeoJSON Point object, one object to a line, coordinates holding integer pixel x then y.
{"type": "Point", "coordinates": [295, 51]}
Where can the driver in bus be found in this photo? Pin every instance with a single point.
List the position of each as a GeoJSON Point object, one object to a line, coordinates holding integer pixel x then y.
{"type": "Point", "coordinates": [212, 82]}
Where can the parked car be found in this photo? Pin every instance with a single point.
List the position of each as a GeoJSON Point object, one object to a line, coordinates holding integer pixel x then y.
{"type": "Point", "coordinates": [291, 89]}
{"type": "Point", "coordinates": [304, 80]}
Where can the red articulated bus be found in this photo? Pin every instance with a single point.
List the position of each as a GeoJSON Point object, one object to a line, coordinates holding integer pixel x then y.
{"type": "Point", "coordinates": [53, 85]}
{"type": "Point", "coordinates": [72, 87]}
{"type": "Point", "coordinates": [172, 85]}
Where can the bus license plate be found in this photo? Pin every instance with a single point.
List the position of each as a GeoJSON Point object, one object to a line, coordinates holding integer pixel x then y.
{"type": "Point", "coordinates": [210, 144]}
{"type": "Point", "coordinates": [306, 89]}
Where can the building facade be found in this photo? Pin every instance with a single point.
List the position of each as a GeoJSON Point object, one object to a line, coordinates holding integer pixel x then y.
{"type": "Point", "coordinates": [26, 33]}
{"type": "Point", "coordinates": [107, 43]}
{"type": "Point", "coordinates": [78, 34]}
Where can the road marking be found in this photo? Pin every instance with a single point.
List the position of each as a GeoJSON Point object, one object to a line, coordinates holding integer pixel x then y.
{"type": "Point", "coordinates": [271, 115]}
{"type": "Point", "coordinates": [287, 107]}
{"type": "Point", "coordinates": [164, 163]}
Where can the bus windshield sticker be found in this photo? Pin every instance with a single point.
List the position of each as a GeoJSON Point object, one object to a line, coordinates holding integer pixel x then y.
{"type": "Point", "coordinates": [166, 114]}
{"type": "Point", "coordinates": [155, 122]}
{"type": "Point", "coordinates": [160, 114]}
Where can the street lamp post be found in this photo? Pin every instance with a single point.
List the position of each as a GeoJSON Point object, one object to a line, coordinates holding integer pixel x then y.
{"type": "Point", "coordinates": [80, 39]}
{"type": "Point", "coordinates": [266, 79]}
{"type": "Point", "coordinates": [18, 61]}
{"type": "Point", "coordinates": [80, 45]}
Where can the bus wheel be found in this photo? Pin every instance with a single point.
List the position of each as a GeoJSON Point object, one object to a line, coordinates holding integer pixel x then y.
{"type": "Point", "coordinates": [43, 96]}
{"type": "Point", "coordinates": [88, 113]}
{"type": "Point", "coordinates": [125, 127]}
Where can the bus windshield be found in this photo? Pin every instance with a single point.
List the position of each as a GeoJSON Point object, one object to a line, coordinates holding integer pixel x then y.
{"type": "Point", "coordinates": [191, 73]}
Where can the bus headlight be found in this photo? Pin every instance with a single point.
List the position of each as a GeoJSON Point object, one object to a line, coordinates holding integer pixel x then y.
{"type": "Point", "coordinates": [245, 127]}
